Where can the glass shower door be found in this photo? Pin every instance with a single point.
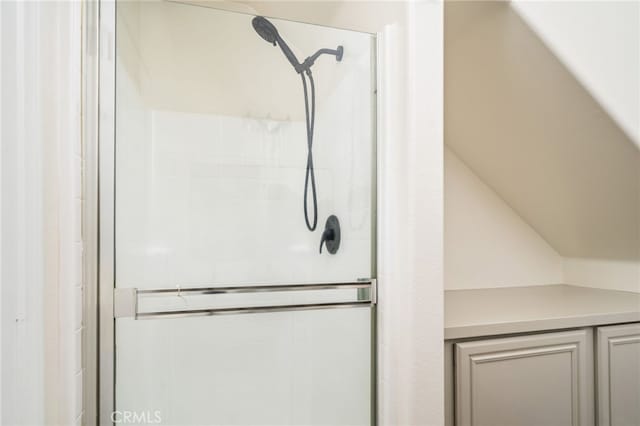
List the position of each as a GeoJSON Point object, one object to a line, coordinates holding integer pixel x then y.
{"type": "Point", "coordinates": [226, 311]}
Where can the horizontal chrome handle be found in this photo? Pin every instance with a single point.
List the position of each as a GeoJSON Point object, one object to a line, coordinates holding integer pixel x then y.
{"type": "Point", "coordinates": [250, 310]}
{"type": "Point", "coordinates": [126, 299]}
{"type": "Point", "coordinates": [256, 288]}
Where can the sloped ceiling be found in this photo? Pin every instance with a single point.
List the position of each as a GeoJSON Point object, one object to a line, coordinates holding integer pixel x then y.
{"type": "Point", "coordinates": [599, 42]}
{"type": "Point", "coordinates": [526, 126]}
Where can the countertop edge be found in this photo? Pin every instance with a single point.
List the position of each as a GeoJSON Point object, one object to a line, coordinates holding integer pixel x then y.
{"type": "Point", "coordinates": [537, 325]}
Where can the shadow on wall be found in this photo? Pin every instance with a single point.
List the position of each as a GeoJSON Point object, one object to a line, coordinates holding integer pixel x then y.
{"type": "Point", "coordinates": [531, 131]}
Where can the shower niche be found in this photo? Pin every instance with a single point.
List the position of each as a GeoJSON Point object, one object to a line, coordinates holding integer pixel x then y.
{"type": "Point", "coordinates": [237, 194]}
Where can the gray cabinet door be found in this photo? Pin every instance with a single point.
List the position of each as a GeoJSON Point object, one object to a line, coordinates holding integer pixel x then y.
{"type": "Point", "coordinates": [534, 380]}
{"type": "Point", "coordinates": [619, 375]}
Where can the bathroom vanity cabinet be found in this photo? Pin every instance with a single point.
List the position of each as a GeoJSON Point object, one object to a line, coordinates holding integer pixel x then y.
{"type": "Point", "coordinates": [530, 380]}
{"type": "Point", "coordinates": [507, 366]}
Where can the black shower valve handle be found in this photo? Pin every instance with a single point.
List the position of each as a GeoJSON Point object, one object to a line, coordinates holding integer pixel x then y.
{"type": "Point", "coordinates": [331, 235]}
{"type": "Point", "coordinates": [327, 235]}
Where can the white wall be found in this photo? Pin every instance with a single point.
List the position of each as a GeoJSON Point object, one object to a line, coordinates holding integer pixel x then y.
{"type": "Point", "coordinates": [486, 243]}
{"type": "Point", "coordinates": [603, 273]}
{"type": "Point", "coordinates": [41, 242]}
{"type": "Point", "coordinates": [599, 41]}
{"type": "Point", "coordinates": [22, 193]}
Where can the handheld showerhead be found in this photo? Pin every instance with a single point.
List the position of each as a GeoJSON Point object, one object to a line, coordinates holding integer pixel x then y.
{"type": "Point", "coordinates": [269, 33]}
{"type": "Point", "coordinates": [265, 29]}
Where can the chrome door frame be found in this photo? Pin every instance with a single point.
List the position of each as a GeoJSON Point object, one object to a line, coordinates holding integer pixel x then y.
{"type": "Point", "coordinates": [90, 120]}
{"type": "Point", "coordinates": [106, 209]}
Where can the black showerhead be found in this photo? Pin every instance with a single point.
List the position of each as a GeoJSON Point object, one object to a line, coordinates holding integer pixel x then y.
{"type": "Point", "coordinates": [265, 29]}
{"type": "Point", "coordinates": [268, 31]}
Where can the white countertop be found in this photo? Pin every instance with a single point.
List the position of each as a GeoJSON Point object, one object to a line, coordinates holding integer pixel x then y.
{"type": "Point", "coordinates": [493, 311]}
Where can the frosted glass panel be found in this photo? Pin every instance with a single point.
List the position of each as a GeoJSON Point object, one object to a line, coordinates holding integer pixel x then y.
{"type": "Point", "coordinates": [303, 368]}
{"type": "Point", "coordinates": [211, 150]}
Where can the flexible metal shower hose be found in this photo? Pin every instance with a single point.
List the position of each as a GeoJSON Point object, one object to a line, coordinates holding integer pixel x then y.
{"type": "Point", "coordinates": [310, 174]}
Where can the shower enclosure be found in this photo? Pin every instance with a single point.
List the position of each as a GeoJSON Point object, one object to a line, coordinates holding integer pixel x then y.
{"type": "Point", "coordinates": [216, 305]}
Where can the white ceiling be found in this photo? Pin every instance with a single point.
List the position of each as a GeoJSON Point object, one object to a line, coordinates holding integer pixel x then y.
{"type": "Point", "coordinates": [517, 116]}
{"type": "Point", "coordinates": [599, 42]}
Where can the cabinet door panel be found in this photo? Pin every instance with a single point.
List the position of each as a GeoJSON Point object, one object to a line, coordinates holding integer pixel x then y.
{"type": "Point", "coordinates": [619, 375]}
{"type": "Point", "coordinates": [533, 380]}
